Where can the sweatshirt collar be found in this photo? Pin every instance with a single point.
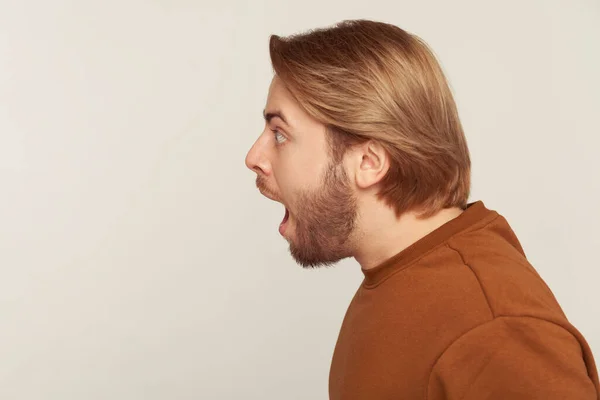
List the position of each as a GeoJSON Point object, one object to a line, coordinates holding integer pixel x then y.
{"type": "Point", "coordinates": [475, 214]}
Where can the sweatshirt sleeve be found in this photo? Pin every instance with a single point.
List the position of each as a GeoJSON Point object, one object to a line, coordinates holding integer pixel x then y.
{"type": "Point", "coordinates": [515, 358]}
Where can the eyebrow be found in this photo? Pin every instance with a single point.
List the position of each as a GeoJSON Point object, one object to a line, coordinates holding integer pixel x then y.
{"type": "Point", "coordinates": [274, 114]}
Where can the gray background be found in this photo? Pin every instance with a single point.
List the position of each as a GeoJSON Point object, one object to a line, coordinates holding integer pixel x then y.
{"type": "Point", "coordinates": [138, 260]}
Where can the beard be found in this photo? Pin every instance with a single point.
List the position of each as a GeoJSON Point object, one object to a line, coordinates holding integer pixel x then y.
{"type": "Point", "coordinates": [325, 220]}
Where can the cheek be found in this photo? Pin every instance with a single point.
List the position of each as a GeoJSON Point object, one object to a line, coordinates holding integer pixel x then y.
{"type": "Point", "coordinates": [297, 170]}
{"type": "Point", "coordinates": [296, 182]}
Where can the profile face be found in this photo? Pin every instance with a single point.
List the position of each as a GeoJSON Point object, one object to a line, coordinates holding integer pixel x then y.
{"type": "Point", "coordinates": [294, 167]}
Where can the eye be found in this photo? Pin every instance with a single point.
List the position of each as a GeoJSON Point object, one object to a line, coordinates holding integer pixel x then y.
{"type": "Point", "coordinates": [279, 138]}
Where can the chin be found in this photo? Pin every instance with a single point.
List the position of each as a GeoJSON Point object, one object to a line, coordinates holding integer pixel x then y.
{"type": "Point", "coordinates": [314, 260]}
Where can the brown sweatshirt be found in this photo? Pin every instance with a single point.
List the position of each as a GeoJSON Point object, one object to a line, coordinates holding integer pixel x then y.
{"type": "Point", "coordinates": [460, 315]}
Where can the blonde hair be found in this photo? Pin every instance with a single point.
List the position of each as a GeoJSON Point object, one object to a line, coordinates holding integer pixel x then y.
{"type": "Point", "coordinates": [368, 80]}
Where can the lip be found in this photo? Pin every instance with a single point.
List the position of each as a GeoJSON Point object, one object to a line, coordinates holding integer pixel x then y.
{"type": "Point", "coordinates": [269, 195]}
{"type": "Point", "coordinates": [283, 225]}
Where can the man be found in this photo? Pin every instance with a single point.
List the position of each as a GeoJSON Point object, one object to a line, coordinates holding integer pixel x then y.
{"type": "Point", "coordinates": [364, 147]}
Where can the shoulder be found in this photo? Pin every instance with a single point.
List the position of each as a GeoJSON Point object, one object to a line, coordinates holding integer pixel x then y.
{"type": "Point", "coordinates": [517, 357]}
{"type": "Point", "coordinates": [510, 284]}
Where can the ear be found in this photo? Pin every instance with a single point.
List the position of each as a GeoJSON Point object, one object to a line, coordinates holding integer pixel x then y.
{"type": "Point", "coordinates": [371, 163]}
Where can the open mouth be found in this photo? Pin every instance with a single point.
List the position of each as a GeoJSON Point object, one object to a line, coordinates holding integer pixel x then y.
{"type": "Point", "coordinates": [270, 195]}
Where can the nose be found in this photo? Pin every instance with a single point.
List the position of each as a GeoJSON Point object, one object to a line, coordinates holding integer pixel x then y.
{"type": "Point", "coordinates": [256, 159]}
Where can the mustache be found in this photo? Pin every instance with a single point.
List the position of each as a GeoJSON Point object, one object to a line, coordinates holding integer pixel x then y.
{"type": "Point", "coordinates": [261, 184]}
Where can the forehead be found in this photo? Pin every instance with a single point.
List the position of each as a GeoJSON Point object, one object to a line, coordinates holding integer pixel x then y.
{"type": "Point", "coordinates": [281, 100]}
{"type": "Point", "coordinates": [280, 96]}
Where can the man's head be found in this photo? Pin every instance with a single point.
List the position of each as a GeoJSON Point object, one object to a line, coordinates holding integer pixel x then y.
{"type": "Point", "coordinates": [359, 116]}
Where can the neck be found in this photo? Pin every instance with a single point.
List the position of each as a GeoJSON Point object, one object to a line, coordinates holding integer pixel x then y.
{"type": "Point", "coordinates": [385, 236]}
